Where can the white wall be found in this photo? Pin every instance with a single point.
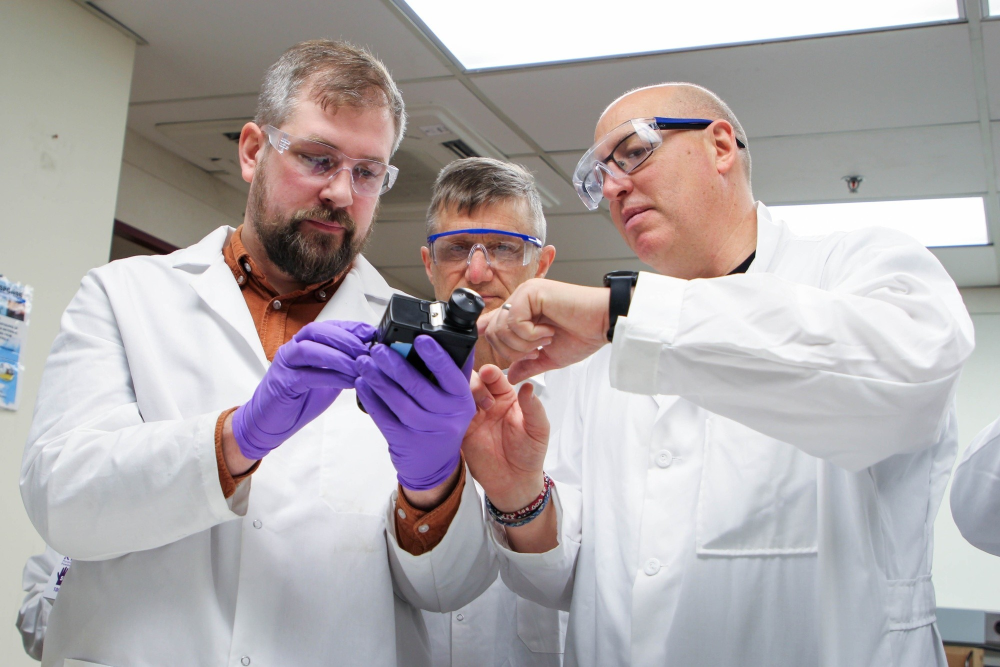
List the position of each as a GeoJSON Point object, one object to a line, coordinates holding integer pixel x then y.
{"type": "Point", "coordinates": [965, 577]}
{"type": "Point", "coordinates": [64, 89]}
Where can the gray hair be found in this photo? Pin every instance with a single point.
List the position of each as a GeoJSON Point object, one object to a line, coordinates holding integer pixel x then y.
{"type": "Point", "coordinates": [334, 74]}
{"type": "Point", "coordinates": [469, 184]}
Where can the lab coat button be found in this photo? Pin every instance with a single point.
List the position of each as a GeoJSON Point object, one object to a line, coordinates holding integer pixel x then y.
{"type": "Point", "coordinates": [664, 458]}
{"type": "Point", "coordinates": [276, 304]}
{"type": "Point", "coordinates": [257, 523]}
{"type": "Point", "coordinates": [460, 617]}
{"type": "Point", "coordinates": [651, 567]}
{"type": "Point", "coordinates": [245, 660]}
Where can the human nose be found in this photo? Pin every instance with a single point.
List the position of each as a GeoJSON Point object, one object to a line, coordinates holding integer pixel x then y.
{"type": "Point", "coordinates": [478, 269]}
{"type": "Point", "coordinates": [339, 189]}
{"type": "Point", "coordinates": [616, 186]}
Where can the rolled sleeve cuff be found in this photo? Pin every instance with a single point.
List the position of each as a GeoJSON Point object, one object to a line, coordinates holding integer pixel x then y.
{"type": "Point", "coordinates": [419, 531]}
{"type": "Point", "coordinates": [651, 324]}
{"type": "Point", "coordinates": [228, 482]}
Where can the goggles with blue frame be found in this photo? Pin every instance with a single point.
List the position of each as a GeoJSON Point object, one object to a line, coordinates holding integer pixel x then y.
{"type": "Point", "coordinates": [502, 248]}
{"type": "Point", "coordinates": [626, 147]}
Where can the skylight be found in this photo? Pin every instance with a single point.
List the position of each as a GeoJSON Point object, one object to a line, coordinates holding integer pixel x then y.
{"type": "Point", "coordinates": [933, 222]}
{"type": "Point", "coordinates": [502, 33]}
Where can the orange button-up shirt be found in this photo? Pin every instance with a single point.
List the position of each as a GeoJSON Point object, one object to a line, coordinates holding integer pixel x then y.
{"type": "Point", "coordinates": [277, 318]}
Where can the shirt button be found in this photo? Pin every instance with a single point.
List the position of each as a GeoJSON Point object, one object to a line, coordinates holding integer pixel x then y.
{"type": "Point", "coordinates": [651, 567]}
{"type": "Point", "coordinates": [240, 279]}
{"type": "Point", "coordinates": [276, 304]}
{"type": "Point", "coordinates": [460, 617]}
{"type": "Point", "coordinates": [664, 458]}
{"type": "Point", "coordinates": [401, 513]}
{"type": "Point", "coordinates": [246, 267]}
{"type": "Point", "coordinates": [322, 294]}
{"type": "Point", "coordinates": [245, 660]}
{"type": "Point", "coordinates": [423, 528]}
{"type": "Point", "coordinates": [257, 523]}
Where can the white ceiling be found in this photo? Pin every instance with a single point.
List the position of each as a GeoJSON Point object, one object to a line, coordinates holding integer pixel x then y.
{"type": "Point", "coordinates": [908, 109]}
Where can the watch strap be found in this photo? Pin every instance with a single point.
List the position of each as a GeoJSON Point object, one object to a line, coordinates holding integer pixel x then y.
{"type": "Point", "coordinates": [621, 284]}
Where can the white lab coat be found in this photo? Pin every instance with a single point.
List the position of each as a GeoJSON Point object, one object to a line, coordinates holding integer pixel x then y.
{"type": "Point", "coordinates": [499, 627]}
{"type": "Point", "coordinates": [691, 533]}
{"type": "Point", "coordinates": [120, 474]}
{"type": "Point", "coordinates": [33, 616]}
{"type": "Point", "coordinates": [975, 491]}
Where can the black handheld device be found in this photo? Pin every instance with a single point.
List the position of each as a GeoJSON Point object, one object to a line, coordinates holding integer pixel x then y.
{"type": "Point", "coordinates": [451, 324]}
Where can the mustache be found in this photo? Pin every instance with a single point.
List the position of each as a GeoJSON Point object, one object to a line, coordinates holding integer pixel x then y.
{"type": "Point", "coordinates": [324, 214]}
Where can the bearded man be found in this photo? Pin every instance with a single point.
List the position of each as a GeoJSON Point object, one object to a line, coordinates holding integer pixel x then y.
{"type": "Point", "coordinates": [197, 448]}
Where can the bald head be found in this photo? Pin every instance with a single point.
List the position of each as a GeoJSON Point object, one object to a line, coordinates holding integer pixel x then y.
{"type": "Point", "coordinates": [688, 100]}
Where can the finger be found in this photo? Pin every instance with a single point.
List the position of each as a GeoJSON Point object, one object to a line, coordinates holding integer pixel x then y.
{"type": "Point", "coordinates": [412, 382]}
{"type": "Point", "coordinates": [536, 422]}
{"type": "Point", "coordinates": [408, 412]}
{"type": "Point", "coordinates": [320, 378]}
{"type": "Point", "coordinates": [348, 337]}
{"type": "Point", "coordinates": [494, 380]}
{"type": "Point", "coordinates": [310, 354]}
{"type": "Point", "coordinates": [523, 369]}
{"type": "Point", "coordinates": [376, 408]}
{"type": "Point", "coordinates": [480, 392]}
{"type": "Point", "coordinates": [449, 376]}
{"type": "Point", "coordinates": [485, 319]}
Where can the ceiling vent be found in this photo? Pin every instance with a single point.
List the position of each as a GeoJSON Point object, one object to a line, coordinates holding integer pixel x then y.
{"type": "Point", "coordinates": [433, 139]}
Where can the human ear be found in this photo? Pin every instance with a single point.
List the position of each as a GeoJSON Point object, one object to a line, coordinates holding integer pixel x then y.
{"type": "Point", "coordinates": [251, 144]}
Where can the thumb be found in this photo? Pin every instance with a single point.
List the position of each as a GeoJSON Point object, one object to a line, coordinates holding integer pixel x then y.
{"type": "Point", "coordinates": [525, 368]}
{"type": "Point", "coordinates": [536, 422]}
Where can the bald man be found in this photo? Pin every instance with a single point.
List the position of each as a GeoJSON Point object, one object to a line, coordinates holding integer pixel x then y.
{"type": "Point", "coordinates": [749, 473]}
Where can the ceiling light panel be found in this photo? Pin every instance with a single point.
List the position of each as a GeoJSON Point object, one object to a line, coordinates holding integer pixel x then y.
{"type": "Point", "coordinates": [957, 221]}
{"type": "Point", "coordinates": [491, 34]}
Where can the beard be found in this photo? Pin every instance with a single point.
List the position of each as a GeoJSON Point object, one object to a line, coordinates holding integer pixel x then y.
{"type": "Point", "coordinates": [307, 256]}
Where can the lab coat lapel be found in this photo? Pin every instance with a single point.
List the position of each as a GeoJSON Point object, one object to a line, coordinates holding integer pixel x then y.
{"type": "Point", "coordinates": [218, 289]}
{"type": "Point", "coordinates": [361, 297]}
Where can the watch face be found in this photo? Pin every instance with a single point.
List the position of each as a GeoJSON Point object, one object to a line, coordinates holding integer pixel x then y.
{"type": "Point", "coordinates": [634, 275]}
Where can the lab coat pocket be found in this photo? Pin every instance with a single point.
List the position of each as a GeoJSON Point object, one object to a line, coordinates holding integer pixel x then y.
{"type": "Point", "coordinates": [356, 475]}
{"type": "Point", "coordinates": [757, 495]}
{"type": "Point", "coordinates": [542, 630]}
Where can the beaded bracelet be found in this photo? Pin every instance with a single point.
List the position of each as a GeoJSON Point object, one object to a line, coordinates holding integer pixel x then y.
{"type": "Point", "coordinates": [526, 514]}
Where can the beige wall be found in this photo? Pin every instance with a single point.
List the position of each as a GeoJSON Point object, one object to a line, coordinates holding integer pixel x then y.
{"type": "Point", "coordinates": [64, 89]}
{"type": "Point", "coordinates": [170, 198]}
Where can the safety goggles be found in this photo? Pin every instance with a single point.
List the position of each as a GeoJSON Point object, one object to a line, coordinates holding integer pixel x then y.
{"type": "Point", "coordinates": [501, 248]}
{"type": "Point", "coordinates": [622, 150]}
{"type": "Point", "coordinates": [320, 163]}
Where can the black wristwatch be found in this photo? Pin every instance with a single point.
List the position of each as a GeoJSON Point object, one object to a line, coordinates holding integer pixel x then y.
{"type": "Point", "coordinates": [621, 284]}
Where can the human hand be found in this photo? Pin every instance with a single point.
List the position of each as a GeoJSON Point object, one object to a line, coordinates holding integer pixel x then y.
{"type": "Point", "coordinates": [506, 441]}
{"type": "Point", "coordinates": [422, 422]}
{"type": "Point", "coordinates": [549, 325]}
{"type": "Point", "coordinates": [306, 376]}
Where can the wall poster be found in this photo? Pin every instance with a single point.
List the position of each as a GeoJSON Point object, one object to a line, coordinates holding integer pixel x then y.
{"type": "Point", "coordinates": [15, 307]}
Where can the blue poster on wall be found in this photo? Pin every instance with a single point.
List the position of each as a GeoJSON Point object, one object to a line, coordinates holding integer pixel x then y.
{"type": "Point", "coordinates": [15, 307]}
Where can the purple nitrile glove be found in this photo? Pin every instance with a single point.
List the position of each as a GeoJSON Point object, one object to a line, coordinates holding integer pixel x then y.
{"type": "Point", "coordinates": [423, 423]}
{"type": "Point", "coordinates": [306, 376]}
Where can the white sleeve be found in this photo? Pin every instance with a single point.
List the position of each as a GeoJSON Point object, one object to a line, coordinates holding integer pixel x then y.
{"type": "Point", "coordinates": [547, 578]}
{"type": "Point", "coordinates": [33, 617]}
{"type": "Point", "coordinates": [453, 573]}
{"type": "Point", "coordinates": [975, 491]}
{"type": "Point", "coordinates": [854, 371]}
{"type": "Point", "coordinates": [98, 481]}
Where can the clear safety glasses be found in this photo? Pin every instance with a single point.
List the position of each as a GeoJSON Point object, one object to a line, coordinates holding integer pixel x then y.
{"type": "Point", "coordinates": [503, 249]}
{"type": "Point", "coordinates": [622, 150]}
{"type": "Point", "coordinates": [319, 162]}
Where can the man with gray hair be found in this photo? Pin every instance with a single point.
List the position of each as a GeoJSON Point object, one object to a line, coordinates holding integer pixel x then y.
{"type": "Point", "coordinates": [197, 448]}
{"type": "Point", "coordinates": [750, 470]}
{"type": "Point", "coordinates": [486, 232]}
